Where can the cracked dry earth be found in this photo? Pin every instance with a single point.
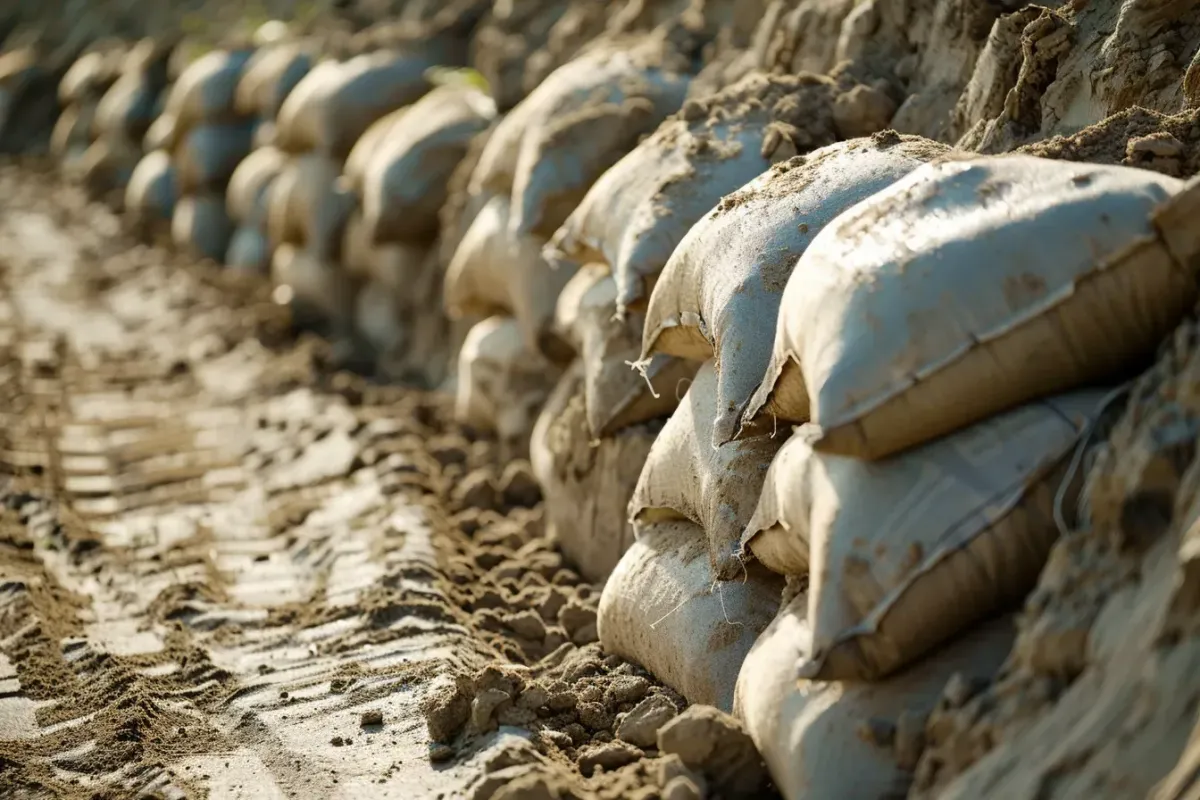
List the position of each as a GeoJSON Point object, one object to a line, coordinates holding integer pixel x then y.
{"type": "Point", "coordinates": [217, 556]}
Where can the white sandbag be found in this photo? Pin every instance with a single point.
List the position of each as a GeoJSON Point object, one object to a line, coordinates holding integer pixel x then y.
{"type": "Point", "coordinates": [638, 211]}
{"type": "Point", "coordinates": [586, 484]}
{"type": "Point", "coordinates": [306, 206]}
{"type": "Point", "coordinates": [333, 105]}
{"type": "Point", "coordinates": [588, 114]}
{"type": "Point", "coordinates": [904, 553]}
{"type": "Point", "coordinates": [360, 155]}
{"type": "Point", "coordinates": [717, 488]}
{"type": "Point", "coordinates": [496, 271]}
{"type": "Point", "coordinates": [269, 77]}
{"type": "Point", "coordinates": [163, 134]}
{"type": "Point", "coordinates": [318, 290]}
{"type": "Point", "coordinates": [90, 75]}
{"type": "Point", "coordinates": [150, 195]}
{"type": "Point", "coordinates": [127, 109]}
{"type": "Point", "coordinates": [663, 609]}
{"type": "Point", "coordinates": [249, 251]}
{"type": "Point", "coordinates": [501, 384]}
{"type": "Point", "coordinates": [815, 736]}
{"type": "Point", "coordinates": [201, 226]}
{"type": "Point", "coordinates": [247, 193]}
{"type": "Point", "coordinates": [1039, 276]}
{"type": "Point", "coordinates": [206, 89]}
{"type": "Point", "coordinates": [207, 156]}
{"type": "Point", "coordinates": [719, 295]}
{"type": "Point", "coordinates": [497, 166]}
{"type": "Point", "coordinates": [72, 133]}
{"type": "Point", "coordinates": [616, 395]}
{"type": "Point", "coordinates": [406, 178]}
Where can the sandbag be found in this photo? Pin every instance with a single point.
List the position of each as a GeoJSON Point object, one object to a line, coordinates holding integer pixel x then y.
{"type": "Point", "coordinates": [318, 291]}
{"type": "Point", "coordinates": [249, 251]}
{"type": "Point", "coordinates": [717, 488]}
{"type": "Point", "coordinates": [205, 90]}
{"type": "Point", "coordinates": [501, 384]}
{"type": "Point", "coordinates": [360, 155]}
{"type": "Point", "coordinates": [89, 77]}
{"type": "Point", "coordinates": [305, 206]}
{"type": "Point", "coordinates": [201, 226]}
{"type": "Point", "coordinates": [662, 609]}
{"type": "Point", "coordinates": [638, 211]}
{"type": "Point", "coordinates": [150, 195]}
{"type": "Point", "coordinates": [815, 736]}
{"type": "Point", "coordinates": [377, 318]}
{"type": "Point", "coordinates": [333, 105]}
{"type": "Point", "coordinates": [163, 134]}
{"type": "Point", "coordinates": [406, 178]}
{"type": "Point", "coordinates": [616, 396]}
{"type": "Point", "coordinates": [72, 132]}
{"type": "Point", "coordinates": [264, 134]}
{"type": "Point", "coordinates": [106, 166]}
{"type": "Point", "coordinates": [496, 271]}
{"type": "Point", "coordinates": [1039, 276]}
{"type": "Point", "coordinates": [586, 483]}
{"type": "Point", "coordinates": [246, 195]}
{"type": "Point", "coordinates": [207, 156]}
{"type": "Point", "coordinates": [269, 77]}
{"type": "Point", "coordinates": [719, 295]}
{"type": "Point", "coordinates": [902, 554]}
{"type": "Point", "coordinates": [588, 114]}
{"type": "Point", "coordinates": [497, 166]}
{"type": "Point", "coordinates": [127, 109]}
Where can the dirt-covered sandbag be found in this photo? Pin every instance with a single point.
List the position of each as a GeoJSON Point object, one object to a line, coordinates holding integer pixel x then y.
{"type": "Point", "coordinates": [150, 195]}
{"type": "Point", "coordinates": [586, 484]}
{"type": "Point", "coordinates": [662, 608]}
{"type": "Point", "coordinates": [1039, 276]}
{"type": "Point", "coordinates": [849, 740]}
{"type": "Point", "coordinates": [206, 89]}
{"type": "Point", "coordinates": [249, 251]}
{"type": "Point", "coordinates": [904, 553]}
{"type": "Point", "coordinates": [207, 155]}
{"type": "Point", "coordinates": [269, 77]}
{"type": "Point", "coordinates": [502, 385]}
{"type": "Point", "coordinates": [592, 112]}
{"type": "Point", "coordinates": [360, 155]}
{"type": "Point", "coordinates": [72, 133]}
{"type": "Point", "coordinates": [638, 211]}
{"type": "Point", "coordinates": [128, 109]}
{"type": "Point", "coordinates": [247, 193]}
{"type": "Point", "coordinates": [163, 134]}
{"type": "Point", "coordinates": [717, 488]}
{"type": "Point", "coordinates": [201, 226]}
{"type": "Point", "coordinates": [616, 395]}
{"type": "Point", "coordinates": [335, 103]}
{"type": "Point", "coordinates": [720, 292]}
{"type": "Point", "coordinates": [497, 271]}
{"type": "Point", "coordinates": [406, 177]}
{"type": "Point", "coordinates": [89, 77]}
{"type": "Point", "coordinates": [306, 206]}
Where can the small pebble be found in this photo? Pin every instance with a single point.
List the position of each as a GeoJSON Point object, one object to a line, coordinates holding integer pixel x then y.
{"type": "Point", "coordinates": [372, 717]}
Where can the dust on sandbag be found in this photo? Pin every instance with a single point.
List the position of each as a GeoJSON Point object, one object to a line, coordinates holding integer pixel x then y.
{"type": "Point", "coordinates": [496, 270]}
{"type": "Point", "coordinates": [903, 553]}
{"type": "Point", "coordinates": [717, 488]}
{"type": "Point", "coordinates": [207, 156]}
{"type": "Point", "coordinates": [1040, 276]}
{"type": "Point", "coordinates": [502, 385]}
{"type": "Point", "coordinates": [584, 118]}
{"type": "Point", "coordinates": [586, 484]}
{"type": "Point", "coordinates": [849, 739]}
{"type": "Point", "coordinates": [150, 195]}
{"type": "Point", "coordinates": [662, 608]}
{"type": "Point", "coordinates": [407, 175]}
{"type": "Point", "coordinates": [637, 212]}
{"type": "Point", "coordinates": [201, 226]}
{"type": "Point", "coordinates": [720, 293]}
{"type": "Point", "coordinates": [616, 396]}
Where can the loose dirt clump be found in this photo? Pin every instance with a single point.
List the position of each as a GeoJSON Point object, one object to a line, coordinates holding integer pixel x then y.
{"type": "Point", "coordinates": [1137, 137]}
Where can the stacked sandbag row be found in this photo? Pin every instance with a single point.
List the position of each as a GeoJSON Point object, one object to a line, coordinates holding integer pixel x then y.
{"type": "Point", "coordinates": [79, 94]}
{"type": "Point", "coordinates": [885, 419]}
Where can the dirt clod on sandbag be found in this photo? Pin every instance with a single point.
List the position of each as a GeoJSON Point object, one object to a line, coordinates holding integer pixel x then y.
{"type": "Point", "coordinates": [406, 177]}
{"type": "Point", "coordinates": [580, 122]}
{"type": "Point", "coordinates": [501, 384]}
{"type": "Point", "coordinates": [495, 270]}
{"type": "Point", "coordinates": [638, 211]}
{"type": "Point", "coordinates": [838, 739]}
{"type": "Point", "coordinates": [150, 195]}
{"type": "Point", "coordinates": [720, 293]}
{"type": "Point", "coordinates": [1063, 274]}
{"type": "Point", "coordinates": [207, 156]}
{"type": "Point", "coordinates": [201, 226]}
{"type": "Point", "coordinates": [663, 609]}
{"type": "Point", "coordinates": [879, 590]}
{"type": "Point", "coordinates": [715, 744]}
{"type": "Point", "coordinates": [717, 488]}
{"type": "Point", "coordinates": [586, 484]}
{"type": "Point", "coordinates": [615, 394]}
